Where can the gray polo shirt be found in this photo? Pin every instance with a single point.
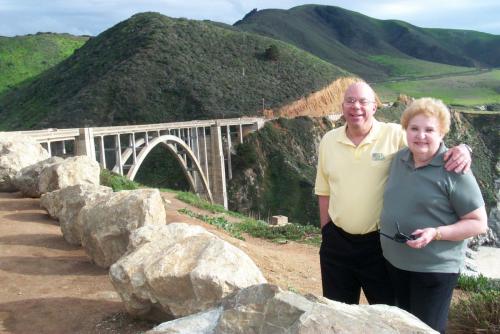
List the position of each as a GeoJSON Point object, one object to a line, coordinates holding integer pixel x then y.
{"type": "Point", "coordinates": [427, 196]}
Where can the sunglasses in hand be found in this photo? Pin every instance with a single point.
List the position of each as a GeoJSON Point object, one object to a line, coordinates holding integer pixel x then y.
{"type": "Point", "coordinates": [399, 237]}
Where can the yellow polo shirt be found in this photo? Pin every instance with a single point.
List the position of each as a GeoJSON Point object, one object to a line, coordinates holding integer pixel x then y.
{"type": "Point", "coordinates": [354, 176]}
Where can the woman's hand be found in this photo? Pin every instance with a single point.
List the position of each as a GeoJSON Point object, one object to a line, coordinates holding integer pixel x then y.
{"type": "Point", "coordinates": [424, 236]}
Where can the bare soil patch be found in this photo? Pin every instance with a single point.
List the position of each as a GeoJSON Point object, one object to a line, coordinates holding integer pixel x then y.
{"type": "Point", "coordinates": [49, 286]}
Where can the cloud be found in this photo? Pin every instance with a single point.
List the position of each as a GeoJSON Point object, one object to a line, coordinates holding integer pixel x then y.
{"type": "Point", "coordinates": [18, 17]}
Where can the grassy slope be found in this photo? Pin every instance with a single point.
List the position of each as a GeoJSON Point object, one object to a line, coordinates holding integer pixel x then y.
{"type": "Point", "coordinates": [151, 68]}
{"type": "Point", "coordinates": [411, 68]}
{"type": "Point", "coordinates": [374, 49]}
{"type": "Point", "coordinates": [483, 88]}
{"type": "Point", "coordinates": [24, 57]}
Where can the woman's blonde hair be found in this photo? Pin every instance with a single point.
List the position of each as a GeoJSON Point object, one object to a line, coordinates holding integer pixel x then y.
{"type": "Point", "coordinates": [428, 106]}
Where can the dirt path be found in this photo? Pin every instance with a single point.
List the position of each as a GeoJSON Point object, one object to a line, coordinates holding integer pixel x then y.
{"type": "Point", "coordinates": [49, 286]}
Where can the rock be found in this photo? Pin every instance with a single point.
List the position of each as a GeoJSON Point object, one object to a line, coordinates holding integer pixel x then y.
{"type": "Point", "coordinates": [27, 180]}
{"type": "Point", "coordinates": [17, 152]}
{"type": "Point", "coordinates": [487, 238]}
{"type": "Point", "coordinates": [56, 173]}
{"type": "Point", "coordinates": [278, 220]}
{"type": "Point", "coordinates": [107, 223]}
{"type": "Point", "coordinates": [469, 267]}
{"type": "Point", "coordinates": [265, 308]}
{"type": "Point", "coordinates": [69, 172]}
{"type": "Point", "coordinates": [487, 262]}
{"type": "Point", "coordinates": [492, 236]}
{"type": "Point", "coordinates": [177, 269]}
{"type": "Point", "coordinates": [65, 205]}
{"type": "Point", "coordinates": [199, 323]}
{"type": "Point", "coordinates": [494, 217]}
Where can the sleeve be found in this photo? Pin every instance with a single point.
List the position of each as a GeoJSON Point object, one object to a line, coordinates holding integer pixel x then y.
{"type": "Point", "coordinates": [402, 138]}
{"type": "Point", "coordinates": [321, 186]}
{"type": "Point", "coordinates": [465, 195]}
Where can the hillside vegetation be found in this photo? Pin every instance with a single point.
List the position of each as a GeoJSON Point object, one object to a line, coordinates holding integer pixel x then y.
{"type": "Point", "coordinates": [275, 168]}
{"type": "Point", "coordinates": [479, 89]}
{"type": "Point", "coordinates": [24, 57]}
{"type": "Point", "coordinates": [375, 49]}
{"type": "Point", "coordinates": [152, 68]}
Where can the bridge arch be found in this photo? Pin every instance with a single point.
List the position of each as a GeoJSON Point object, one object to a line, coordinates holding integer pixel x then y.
{"type": "Point", "coordinates": [168, 141]}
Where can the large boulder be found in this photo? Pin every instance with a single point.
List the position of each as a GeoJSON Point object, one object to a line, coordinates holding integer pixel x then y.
{"type": "Point", "coordinates": [71, 171]}
{"type": "Point", "coordinates": [177, 269]}
{"type": "Point", "coordinates": [107, 223]}
{"type": "Point", "coordinates": [266, 309]}
{"type": "Point", "coordinates": [17, 152]}
{"type": "Point", "coordinates": [27, 180]}
{"type": "Point", "coordinates": [65, 205]}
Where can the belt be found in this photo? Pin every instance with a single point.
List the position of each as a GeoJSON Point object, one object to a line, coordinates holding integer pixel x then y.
{"type": "Point", "coordinates": [355, 237]}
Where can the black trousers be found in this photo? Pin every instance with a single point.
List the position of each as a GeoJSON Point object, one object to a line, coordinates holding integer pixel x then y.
{"type": "Point", "coordinates": [350, 262]}
{"type": "Point", "coordinates": [425, 295]}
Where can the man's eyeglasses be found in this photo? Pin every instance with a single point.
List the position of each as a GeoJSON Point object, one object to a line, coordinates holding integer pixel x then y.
{"type": "Point", "coordinates": [399, 237]}
{"type": "Point", "coordinates": [363, 102]}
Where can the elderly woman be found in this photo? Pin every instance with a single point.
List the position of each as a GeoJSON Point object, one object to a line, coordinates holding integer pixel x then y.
{"type": "Point", "coordinates": [427, 215]}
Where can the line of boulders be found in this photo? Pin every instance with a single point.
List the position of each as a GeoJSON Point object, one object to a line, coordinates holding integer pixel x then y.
{"type": "Point", "coordinates": [176, 271]}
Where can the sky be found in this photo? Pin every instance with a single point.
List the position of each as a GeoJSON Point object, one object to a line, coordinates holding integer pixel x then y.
{"type": "Point", "coordinates": [91, 17]}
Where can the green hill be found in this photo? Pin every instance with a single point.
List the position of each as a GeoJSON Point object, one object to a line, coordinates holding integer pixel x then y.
{"type": "Point", "coordinates": [152, 68]}
{"type": "Point", "coordinates": [23, 57]}
{"type": "Point", "coordinates": [368, 47]}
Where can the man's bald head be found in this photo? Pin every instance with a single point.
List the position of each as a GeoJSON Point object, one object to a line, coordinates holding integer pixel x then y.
{"type": "Point", "coordinates": [363, 88]}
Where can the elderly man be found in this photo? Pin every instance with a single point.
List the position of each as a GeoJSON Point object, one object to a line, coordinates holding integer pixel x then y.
{"type": "Point", "coordinates": [353, 167]}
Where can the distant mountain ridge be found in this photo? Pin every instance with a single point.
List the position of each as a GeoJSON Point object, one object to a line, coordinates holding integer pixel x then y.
{"type": "Point", "coordinates": [152, 68]}
{"type": "Point", "coordinates": [348, 39]}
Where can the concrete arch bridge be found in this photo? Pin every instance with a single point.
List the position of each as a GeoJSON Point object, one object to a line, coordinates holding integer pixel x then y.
{"type": "Point", "coordinates": [202, 148]}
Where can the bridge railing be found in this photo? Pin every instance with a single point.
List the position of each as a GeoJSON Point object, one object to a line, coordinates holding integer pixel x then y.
{"type": "Point", "coordinates": [118, 148]}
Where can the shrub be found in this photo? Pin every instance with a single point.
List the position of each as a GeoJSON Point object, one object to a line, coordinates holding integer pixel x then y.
{"type": "Point", "coordinates": [197, 201]}
{"type": "Point", "coordinates": [260, 229]}
{"type": "Point", "coordinates": [219, 222]}
{"type": "Point", "coordinates": [477, 284]}
{"type": "Point", "coordinates": [479, 313]}
{"type": "Point", "coordinates": [117, 182]}
{"type": "Point", "coordinates": [272, 53]}
{"type": "Point", "coordinates": [246, 156]}
{"type": "Point", "coordinates": [281, 234]}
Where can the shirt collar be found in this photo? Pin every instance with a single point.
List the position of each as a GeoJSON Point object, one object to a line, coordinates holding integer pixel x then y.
{"type": "Point", "coordinates": [438, 160]}
{"type": "Point", "coordinates": [370, 137]}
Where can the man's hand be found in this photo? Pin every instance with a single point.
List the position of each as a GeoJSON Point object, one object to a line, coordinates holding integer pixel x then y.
{"type": "Point", "coordinates": [458, 159]}
{"type": "Point", "coordinates": [324, 217]}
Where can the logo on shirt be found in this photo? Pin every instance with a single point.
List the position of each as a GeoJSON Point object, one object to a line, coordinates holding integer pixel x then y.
{"type": "Point", "coordinates": [378, 156]}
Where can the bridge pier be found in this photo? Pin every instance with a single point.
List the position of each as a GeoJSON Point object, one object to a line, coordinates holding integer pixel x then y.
{"type": "Point", "coordinates": [84, 143]}
{"type": "Point", "coordinates": [217, 170]}
{"type": "Point", "coordinates": [228, 159]}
